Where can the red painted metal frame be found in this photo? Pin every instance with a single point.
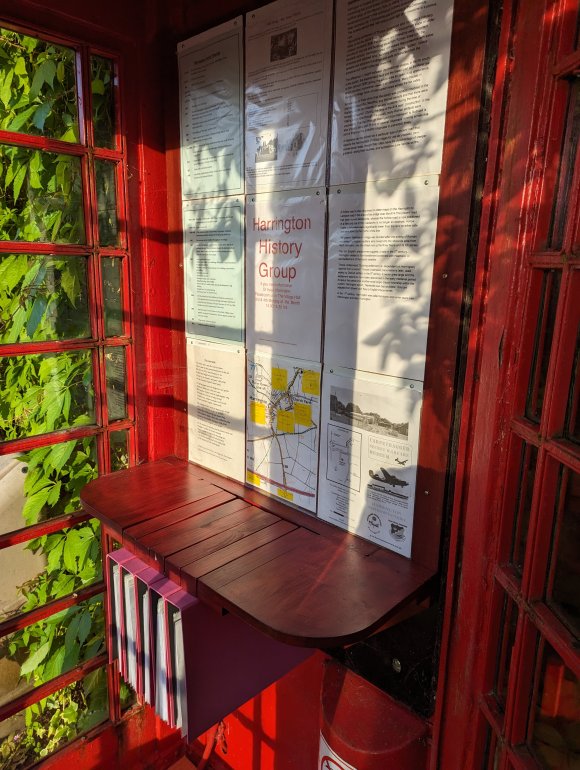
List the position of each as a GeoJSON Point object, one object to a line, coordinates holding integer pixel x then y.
{"type": "Point", "coordinates": [40, 692]}
{"type": "Point", "coordinates": [128, 39]}
{"type": "Point", "coordinates": [97, 344]}
{"type": "Point", "coordinates": [496, 390]}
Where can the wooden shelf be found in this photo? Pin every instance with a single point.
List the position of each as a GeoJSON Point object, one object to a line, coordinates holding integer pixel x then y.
{"type": "Point", "coordinates": [294, 577]}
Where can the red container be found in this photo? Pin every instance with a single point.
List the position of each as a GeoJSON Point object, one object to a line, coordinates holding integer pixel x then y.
{"type": "Point", "coordinates": [365, 729]}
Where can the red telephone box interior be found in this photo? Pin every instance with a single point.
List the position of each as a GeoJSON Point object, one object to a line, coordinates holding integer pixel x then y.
{"type": "Point", "coordinates": [427, 657]}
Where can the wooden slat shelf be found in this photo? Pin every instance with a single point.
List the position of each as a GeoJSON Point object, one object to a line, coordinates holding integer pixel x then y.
{"type": "Point", "coordinates": [294, 577]}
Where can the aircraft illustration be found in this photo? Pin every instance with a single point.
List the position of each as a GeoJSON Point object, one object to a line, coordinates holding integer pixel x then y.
{"type": "Point", "coordinates": [386, 478]}
{"type": "Point", "coordinates": [401, 462]}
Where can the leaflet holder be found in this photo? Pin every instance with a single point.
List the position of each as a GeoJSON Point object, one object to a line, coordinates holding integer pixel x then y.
{"type": "Point", "coordinates": [191, 663]}
{"type": "Point", "coordinates": [260, 584]}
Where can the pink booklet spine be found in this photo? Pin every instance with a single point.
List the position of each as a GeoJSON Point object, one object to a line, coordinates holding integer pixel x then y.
{"type": "Point", "coordinates": [186, 604]}
{"type": "Point", "coordinates": [146, 580]}
{"type": "Point", "coordinates": [163, 590]}
{"type": "Point", "coordinates": [116, 631]}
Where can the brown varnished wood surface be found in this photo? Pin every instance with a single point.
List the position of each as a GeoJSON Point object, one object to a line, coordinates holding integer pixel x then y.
{"type": "Point", "coordinates": [289, 574]}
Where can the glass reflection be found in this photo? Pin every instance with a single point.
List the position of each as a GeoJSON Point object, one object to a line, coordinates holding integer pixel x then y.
{"type": "Point", "coordinates": [42, 200]}
{"type": "Point", "coordinates": [45, 392]}
{"type": "Point", "coordinates": [43, 298]}
{"type": "Point", "coordinates": [44, 482]}
{"type": "Point", "coordinates": [112, 296]}
{"type": "Point", "coordinates": [116, 390]}
{"type": "Point", "coordinates": [556, 732]}
{"type": "Point", "coordinates": [105, 172]}
{"type": "Point", "coordinates": [103, 101]}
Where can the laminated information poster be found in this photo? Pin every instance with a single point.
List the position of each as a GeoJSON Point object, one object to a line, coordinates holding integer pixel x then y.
{"type": "Point", "coordinates": [216, 406]}
{"type": "Point", "coordinates": [368, 456]}
{"type": "Point", "coordinates": [282, 427]}
{"type": "Point", "coordinates": [381, 246]}
{"type": "Point", "coordinates": [284, 273]}
{"type": "Point", "coordinates": [390, 88]}
{"type": "Point", "coordinates": [288, 58]}
{"type": "Point", "coordinates": [213, 235]}
{"type": "Point", "coordinates": [211, 111]}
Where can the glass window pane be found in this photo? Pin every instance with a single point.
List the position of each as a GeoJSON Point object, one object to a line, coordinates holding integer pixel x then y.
{"type": "Point", "coordinates": [37, 87]}
{"type": "Point", "coordinates": [112, 296]}
{"type": "Point", "coordinates": [44, 650]}
{"type": "Point", "coordinates": [41, 729]}
{"type": "Point", "coordinates": [507, 634]}
{"type": "Point", "coordinates": [524, 505]}
{"type": "Point", "coordinates": [49, 567]}
{"type": "Point", "coordinates": [45, 392]}
{"type": "Point", "coordinates": [42, 197]}
{"type": "Point", "coordinates": [105, 172]}
{"type": "Point", "coordinates": [565, 594]}
{"type": "Point", "coordinates": [555, 736]}
{"type": "Point", "coordinates": [566, 170]}
{"type": "Point", "coordinates": [103, 94]}
{"type": "Point", "coordinates": [542, 344]}
{"type": "Point", "coordinates": [572, 421]}
{"type": "Point", "coordinates": [116, 391]}
{"type": "Point", "coordinates": [119, 450]}
{"type": "Point", "coordinates": [45, 482]}
{"type": "Point", "coordinates": [43, 298]}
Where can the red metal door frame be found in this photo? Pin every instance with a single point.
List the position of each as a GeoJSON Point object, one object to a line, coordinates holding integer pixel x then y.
{"type": "Point", "coordinates": [525, 105]}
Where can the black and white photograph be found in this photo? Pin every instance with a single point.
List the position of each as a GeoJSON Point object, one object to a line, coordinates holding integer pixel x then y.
{"type": "Point", "coordinates": [284, 45]}
{"type": "Point", "coordinates": [266, 147]}
{"type": "Point", "coordinates": [363, 413]}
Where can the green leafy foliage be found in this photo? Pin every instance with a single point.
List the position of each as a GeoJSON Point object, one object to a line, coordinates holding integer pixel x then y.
{"type": "Point", "coordinates": [37, 87]}
{"type": "Point", "coordinates": [44, 392]}
{"type": "Point", "coordinates": [55, 720]}
{"type": "Point", "coordinates": [41, 196]}
{"type": "Point", "coordinates": [102, 87]}
{"type": "Point", "coordinates": [44, 297]}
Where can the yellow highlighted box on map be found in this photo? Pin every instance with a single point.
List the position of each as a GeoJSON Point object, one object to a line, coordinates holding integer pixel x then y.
{"type": "Point", "coordinates": [285, 421]}
{"type": "Point", "coordinates": [285, 494]}
{"type": "Point", "coordinates": [258, 412]}
{"type": "Point", "coordinates": [303, 414]}
{"type": "Point", "coordinates": [251, 478]}
{"type": "Point", "coordinates": [279, 378]}
{"type": "Point", "coordinates": [311, 382]}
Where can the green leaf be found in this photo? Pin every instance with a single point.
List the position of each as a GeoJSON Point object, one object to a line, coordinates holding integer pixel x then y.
{"type": "Point", "coordinates": [98, 87]}
{"type": "Point", "coordinates": [70, 283]}
{"type": "Point", "coordinates": [59, 454]}
{"type": "Point", "coordinates": [41, 114]}
{"type": "Point", "coordinates": [84, 626]}
{"type": "Point", "coordinates": [20, 66]}
{"type": "Point", "coordinates": [18, 180]}
{"type": "Point", "coordinates": [18, 320]}
{"type": "Point", "coordinates": [35, 659]}
{"type": "Point", "coordinates": [72, 631]}
{"type": "Point", "coordinates": [21, 119]}
{"type": "Point", "coordinates": [44, 74]}
{"type": "Point", "coordinates": [36, 314]}
{"type": "Point", "coordinates": [54, 495]}
{"type": "Point", "coordinates": [33, 505]}
{"type": "Point", "coordinates": [6, 88]}
{"type": "Point", "coordinates": [54, 556]}
{"type": "Point", "coordinates": [55, 664]}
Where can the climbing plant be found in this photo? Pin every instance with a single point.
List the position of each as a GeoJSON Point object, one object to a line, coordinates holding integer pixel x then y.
{"type": "Point", "coordinates": [45, 298]}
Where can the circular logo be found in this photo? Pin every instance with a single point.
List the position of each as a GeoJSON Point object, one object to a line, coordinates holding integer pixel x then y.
{"type": "Point", "coordinates": [397, 531]}
{"type": "Point", "coordinates": [374, 523]}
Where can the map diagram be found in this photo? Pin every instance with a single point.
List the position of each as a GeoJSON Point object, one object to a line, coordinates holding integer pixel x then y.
{"type": "Point", "coordinates": [344, 457]}
{"type": "Point", "coordinates": [283, 423]}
